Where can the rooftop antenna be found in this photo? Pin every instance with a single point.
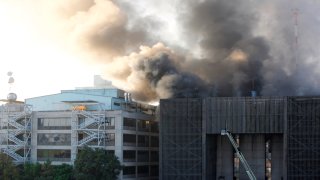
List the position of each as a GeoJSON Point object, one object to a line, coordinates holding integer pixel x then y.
{"type": "Point", "coordinates": [296, 13]}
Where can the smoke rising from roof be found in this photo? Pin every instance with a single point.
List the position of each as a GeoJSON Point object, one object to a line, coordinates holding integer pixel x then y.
{"type": "Point", "coordinates": [216, 47]}
{"type": "Point", "coordinates": [155, 72]}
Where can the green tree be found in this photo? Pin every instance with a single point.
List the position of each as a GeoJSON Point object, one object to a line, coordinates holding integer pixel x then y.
{"type": "Point", "coordinates": [47, 171]}
{"type": "Point", "coordinates": [96, 164]}
{"type": "Point", "coordinates": [31, 171]}
{"type": "Point", "coordinates": [8, 171]}
{"type": "Point", "coordinates": [38, 171]}
{"type": "Point", "coordinates": [63, 172]}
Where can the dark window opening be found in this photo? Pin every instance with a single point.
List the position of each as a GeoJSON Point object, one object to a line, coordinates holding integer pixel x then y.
{"type": "Point", "coordinates": [129, 140]}
{"type": "Point", "coordinates": [129, 124]}
{"type": "Point", "coordinates": [143, 156]}
{"type": "Point", "coordinates": [129, 156]}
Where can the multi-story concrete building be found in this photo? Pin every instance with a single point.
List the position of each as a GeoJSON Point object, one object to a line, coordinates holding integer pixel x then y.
{"type": "Point", "coordinates": [54, 127]}
{"type": "Point", "coordinates": [278, 136]}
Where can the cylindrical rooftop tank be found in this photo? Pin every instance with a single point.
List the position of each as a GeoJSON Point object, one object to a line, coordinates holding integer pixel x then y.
{"type": "Point", "coordinates": [12, 97]}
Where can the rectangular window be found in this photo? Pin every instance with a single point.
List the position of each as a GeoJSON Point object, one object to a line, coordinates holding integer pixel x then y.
{"type": "Point", "coordinates": [154, 170]}
{"type": "Point", "coordinates": [143, 141]}
{"type": "Point", "coordinates": [154, 155]}
{"type": "Point", "coordinates": [129, 156]}
{"type": "Point", "coordinates": [129, 171]}
{"type": "Point", "coordinates": [129, 140]}
{"type": "Point", "coordinates": [107, 140]}
{"type": "Point", "coordinates": [81, 121]}
{"type": "Point", "coordinates": [143, 125]}
{"type": "Point", "coordinates": [129, 124]}
{"type": "Point", "coordinates": [54, 123]}
{"type": "Point", "coordinates": [110, 139]}
{"type": "Point", "coordinates": [154, 127]}
{"type": "Point", "coordinates": [56, 139]}
{"type": "Point", "coordinates": [54, 155]}
{"type": "Point", "coordinates": [154, 141]}
{"type": "Point", "coordinates": [143, 156]}
{"type": "Point", "coordinates": [143, 171]}
{"type": "Point", "coordinates": [109, 122]}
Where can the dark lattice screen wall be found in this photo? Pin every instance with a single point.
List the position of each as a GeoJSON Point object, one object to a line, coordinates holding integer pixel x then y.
{"type": "Point", "coordinates": [244, 114]}
{"type": "Point", "coordinates": [303, 138]}
{"type": "Point", "coordinates": [181, 139]}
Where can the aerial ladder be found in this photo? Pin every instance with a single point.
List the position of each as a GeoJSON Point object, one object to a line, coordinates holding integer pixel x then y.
{"type": "Point", "coordinates": [239, 154]}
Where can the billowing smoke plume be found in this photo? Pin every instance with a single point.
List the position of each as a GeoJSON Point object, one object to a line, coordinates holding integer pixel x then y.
{"type": "Point", "coordinates": [155, 72]}
{"type": "Point", "coordinates": [232, 56]}
{"type": "Point", "coordinates": [102, 29]}
{"type": "Point", "coordinates": [207, 47]}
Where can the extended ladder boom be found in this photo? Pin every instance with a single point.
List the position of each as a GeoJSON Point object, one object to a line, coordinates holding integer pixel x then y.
{"type": "Point", "coordinates": [239, 154]}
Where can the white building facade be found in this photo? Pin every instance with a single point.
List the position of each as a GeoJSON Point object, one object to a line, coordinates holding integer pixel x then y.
{"type": "Point", "coordinates": [55, 127]}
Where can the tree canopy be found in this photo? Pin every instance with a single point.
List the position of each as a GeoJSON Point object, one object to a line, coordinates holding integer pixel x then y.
{"type": "Point", "coordinates": [93, 164]}
{"type": "Point", "coordinates": [8, 171]}
{"type": "Point", "coordinates": [96, 164]}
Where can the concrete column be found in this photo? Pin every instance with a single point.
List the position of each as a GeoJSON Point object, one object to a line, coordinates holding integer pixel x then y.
{"type": "Point", "coordinates": [253, 149]}
{"type": "Point", "coordinates": [277, 157]}
{"type": "Point", "coordinates": [74, 137]}
{"type": "Point", "coordinates": [224, 158]}
{"type": "Point", "coordinates": [34, 137]}
{"type": "Point", "coordinates": [118, 149]}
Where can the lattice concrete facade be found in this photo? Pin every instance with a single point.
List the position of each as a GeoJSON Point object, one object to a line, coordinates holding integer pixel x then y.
{"type": "Point", "coordinates": [279, 136]}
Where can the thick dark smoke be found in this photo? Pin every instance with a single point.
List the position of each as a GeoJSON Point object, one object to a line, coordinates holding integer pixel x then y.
{"type": "Point", "coordinates": [214, 47]}
{"type": "Point", "coordinates": [156, 72]}
{"type": "Point", "coordinates": [223, 28]}
{"type": "Point", "coordinates": [163, 76]}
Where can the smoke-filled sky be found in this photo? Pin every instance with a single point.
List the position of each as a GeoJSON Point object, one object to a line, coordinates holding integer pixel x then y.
{"type": "Point", "coordinates": [162, 49]}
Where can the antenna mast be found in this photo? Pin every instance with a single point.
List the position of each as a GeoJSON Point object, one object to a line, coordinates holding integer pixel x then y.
{"type": "Point", "coordinates": [296, 13]}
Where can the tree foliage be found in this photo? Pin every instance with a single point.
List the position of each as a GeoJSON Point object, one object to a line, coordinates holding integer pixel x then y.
{"type": "Point", "coordinates": [31, 171]}
{"type": "Point", "coordinates": [63, 172]}
{"type": "Point", "coordinates": [46, 171]}
{"type": "Point", "coordinates": [92, 164]}
{"type": "Point", "coordinates": [8, 171]}
{"type": "Point", "coordinates": [96, 164]}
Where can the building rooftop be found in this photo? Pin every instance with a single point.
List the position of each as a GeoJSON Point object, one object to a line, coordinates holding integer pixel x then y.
{"type": "Point", "coordinates": [93, 99]}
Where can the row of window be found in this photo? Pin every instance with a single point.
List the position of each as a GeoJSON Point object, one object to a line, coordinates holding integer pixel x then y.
{"type": "Point", "coordinates": [140, 156]}
{"type": "Point", "coordinates": [128, 123]}
{"type": "Point", "coordinates": [58, 139]}
{"type": "Point", "coordinates": [64, 139]}
{"type": "Point", "coordinates": [140, 171]}
{"type": "Point", "coordinates": [54, 123]}
{"type": "Point", "coordinates": [140, 125]}
{"type": "Point", "coordinates": [108, 140]}
{"type": "Point", "coordinates": [108, 122]}
{"type": "Point", "coordinates": [143, 140]}
{"type": "Point", "coordinates": [65, 123]}
{"type": "Point", "coordinates": [54, 155]}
